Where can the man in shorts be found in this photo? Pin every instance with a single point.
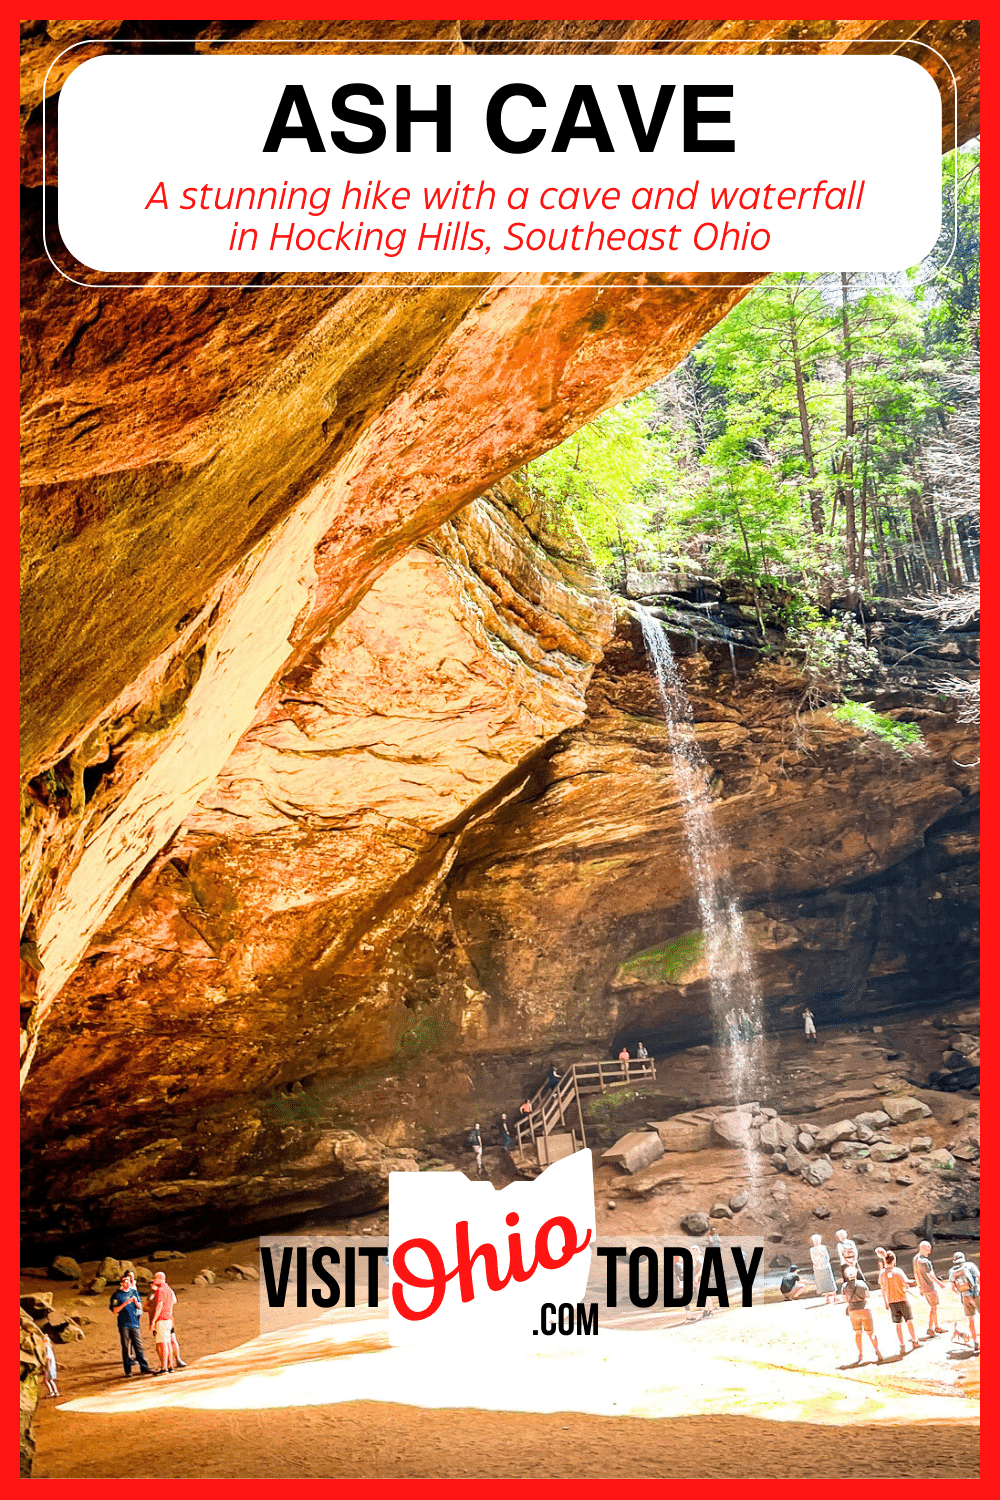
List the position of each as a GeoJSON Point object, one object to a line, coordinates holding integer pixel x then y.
{"type": "Point", "coordinates": [929, 1286]}
{"type": "Point", "coordinates": [964, 1278]}
{"type": "Point", "coordinates": [160, 1306]}
{"type": "Point", "coordinates": [895, 1284]}
{"type": "Point", "coordinates": [855, 1290]}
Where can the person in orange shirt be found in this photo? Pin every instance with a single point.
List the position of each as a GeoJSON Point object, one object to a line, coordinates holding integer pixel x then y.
{"type": "Point", "coordinates": [895, 1284]}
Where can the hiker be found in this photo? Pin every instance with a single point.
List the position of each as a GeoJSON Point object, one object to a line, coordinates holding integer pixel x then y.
{"type": "Point", "coordinates": [964, 1278]}
{"type": "Point", "coordinates": [526, 1107]}
{"type": "Point", "coordinates": [792, 1285]}
{"type": "Point", "coordinates": [822, 1274]}
{"type": "Point", "coordinates": [476, 1142]}
{"type": "Point", "coordinates": [713, 1242]}
{"type": "Point", "coordinates": [855, 1290]}
{"type": "Point", "coordinates": [895, 1284]}
{"type": "Point", "coordinates": [127, 1307]}
{"type": "Point", "coordinates": [624, 1059]}
{"type": "Point", "coordinates": [745, 1024]}
{"type": "Point", "coordinates": [846, 1249]}
{"type": "Point", "coordinates": [553, 1079]}
{"type": "Point", "coordinates": [810, 1024]}
{"type": "Point", "coordinates": [929, 1286]}
{"type": "Point", "coordinates": [506, 1140]}
{"type": "Point", "coordinates": [49, 1367]}
{"type": "Point", "coordinates": [160, 1306]}
{"type": "Point", "coordinates": [641, 1053]}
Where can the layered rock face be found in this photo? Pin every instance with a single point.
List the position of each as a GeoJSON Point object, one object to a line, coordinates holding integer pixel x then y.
{"type": "Point", "coordinates": [317, 770]}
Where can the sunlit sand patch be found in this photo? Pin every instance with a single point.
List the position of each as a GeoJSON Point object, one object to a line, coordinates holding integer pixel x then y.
{"type": "Point", "coordinates": [731, 1367]}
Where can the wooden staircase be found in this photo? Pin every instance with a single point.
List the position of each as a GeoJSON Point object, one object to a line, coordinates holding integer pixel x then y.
{"type": "Point", "coordinates": [545, 1135]}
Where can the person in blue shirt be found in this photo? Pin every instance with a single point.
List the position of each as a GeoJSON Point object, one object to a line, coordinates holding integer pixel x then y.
{"type": "Point", "coordinates": [127, 1307]}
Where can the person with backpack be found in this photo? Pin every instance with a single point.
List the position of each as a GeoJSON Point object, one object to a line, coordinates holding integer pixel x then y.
{"type": "Point", "coordinates": [476, 1142]}
{"type": "Point", "coordinates": [855, 1290]}
{"type": "Point", "coordinates": [964, 1278]}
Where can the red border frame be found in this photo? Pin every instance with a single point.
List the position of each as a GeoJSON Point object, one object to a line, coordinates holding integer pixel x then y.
{"type": "Point", "coordinates": [8, 1170]}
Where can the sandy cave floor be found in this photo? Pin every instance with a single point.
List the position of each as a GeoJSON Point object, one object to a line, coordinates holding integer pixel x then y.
{"type": "Point", "coordinates": [313, 1402]}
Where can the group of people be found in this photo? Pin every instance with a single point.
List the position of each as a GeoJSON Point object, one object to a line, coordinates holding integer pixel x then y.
{"type": "Point", "coordinates": [894, 1285]}
{"type": "Point", "coordinates": [625, 1057]}
{"type": "Point", "coordinates": [126, 1304]}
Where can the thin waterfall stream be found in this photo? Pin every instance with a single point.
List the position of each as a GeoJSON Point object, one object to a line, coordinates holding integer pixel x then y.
{"type": "Point", "coordinates": [736, 1006]}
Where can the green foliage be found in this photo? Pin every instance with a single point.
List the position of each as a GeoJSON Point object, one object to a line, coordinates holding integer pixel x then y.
{"type": "Point", "coordinates": [602, 475]}
{"type": "Point", "coordinates": [667, 962]}
{"type": "Point", "coordinates": [794, 451]}
{"type": "Point", "coordinates": [906, 738]}
{"type": "Point", "coordinates": [610, 1103]}
{"type": "Point", "coordinates": [835, 652]}
{"type": "Point", "coordinates": [303, 1108]}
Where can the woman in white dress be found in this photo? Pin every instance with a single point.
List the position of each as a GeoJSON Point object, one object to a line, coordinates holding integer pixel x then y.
{"type": "Point", "coordinates": [822, 1274]}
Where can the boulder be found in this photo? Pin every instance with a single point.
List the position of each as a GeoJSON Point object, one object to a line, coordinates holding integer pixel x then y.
{"type": "Point", "coordinates": [904, 1239]}
{"type": "Point", "coordinates": [904, 1181]}
{"type": "Point", "coordinates": [67, 1331]}
{"type": "Point", "coordinates": [806, 1142]}
{"type": "Point", "coordinates": [733, 1128]}
{"type": "Point", "coordinates": [820, 1211]}
{"type": "Point", "coordinates": [874, 1119]}
{"type": "Point", "coordinates": [638, 1149]}
{"type": "Point", "coordinates": [687, 1132]}
{"type": "Point", "coordinates": [941, 1160]}
{"type": "Point", "coordinates": [244, 1273]}
{"type": "Point", "coordinates": [97, 1286]}
{"type": "Point", "coordinates": [837, 1132]}
{"type": "Point", "coordinates": [775, 1135]}
{"type": "Point", "coordinates": [720, 1211]}
{"type": "Point", "coordinates": [966, 1150]}
{"type": "Point", "coordinates": [167, 1255]}
{"type": "Point", "coordinates": [778, 1161]}
{"type": "Point", "coordinates": [881, 1152]}
{"type": "Point", "coordinates": [863, 1132]}
{"type": "Point", "coordinates": [779, 1263]}
{"type": "Point", "coordinates": [902, 1108]}
{"type": "Point", "coordinates": [794, 1160]}
{"type": "Point", "coordinates": [109, 1270]}
{"type": "Point", "coordinates": [817, 1172]}
{"type": "Point", "coordinates": [65, 1268]}
{"type": "Point", "coordinates": [921, 1143]}
{"type": "Point", "coordinates": [205, 1277]}
{"type": "Point", "coordinates": [36, 1304]}
{"type": "Point", "coordinates": [848, 1148]}
{"type": "Point", "coordinates": [611, 1204]}
{"type": "Point", "coordinates": [695, 1223]}
{"type": "Point", "coordinates": [739, 1200]}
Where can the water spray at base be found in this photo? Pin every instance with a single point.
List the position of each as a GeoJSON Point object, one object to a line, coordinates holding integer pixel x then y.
{"type": "Point", "coordinates": [736, 1007]}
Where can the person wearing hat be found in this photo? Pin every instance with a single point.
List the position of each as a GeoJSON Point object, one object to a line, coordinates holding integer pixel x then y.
{"type": "Point", "coordinates": [792, 1285]}
{"type": "Point", "coordinates": [964, 1278]}
{"type": "Point", "coordinates": [160, 1306]}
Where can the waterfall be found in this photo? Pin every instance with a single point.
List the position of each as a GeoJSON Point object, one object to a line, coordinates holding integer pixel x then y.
{"type": "Point", "coordinates": [736, 1007]}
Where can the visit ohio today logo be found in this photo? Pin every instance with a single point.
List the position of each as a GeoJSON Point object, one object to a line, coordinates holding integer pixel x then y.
{"type": "Point", "coordinates": [469, 1262]}
{"type": "Point", "coordinates": [474, 1266]}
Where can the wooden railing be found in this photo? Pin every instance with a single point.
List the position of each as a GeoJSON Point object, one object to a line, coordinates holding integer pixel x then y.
{"type": "Point", "coordinates": [549, 1104]}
